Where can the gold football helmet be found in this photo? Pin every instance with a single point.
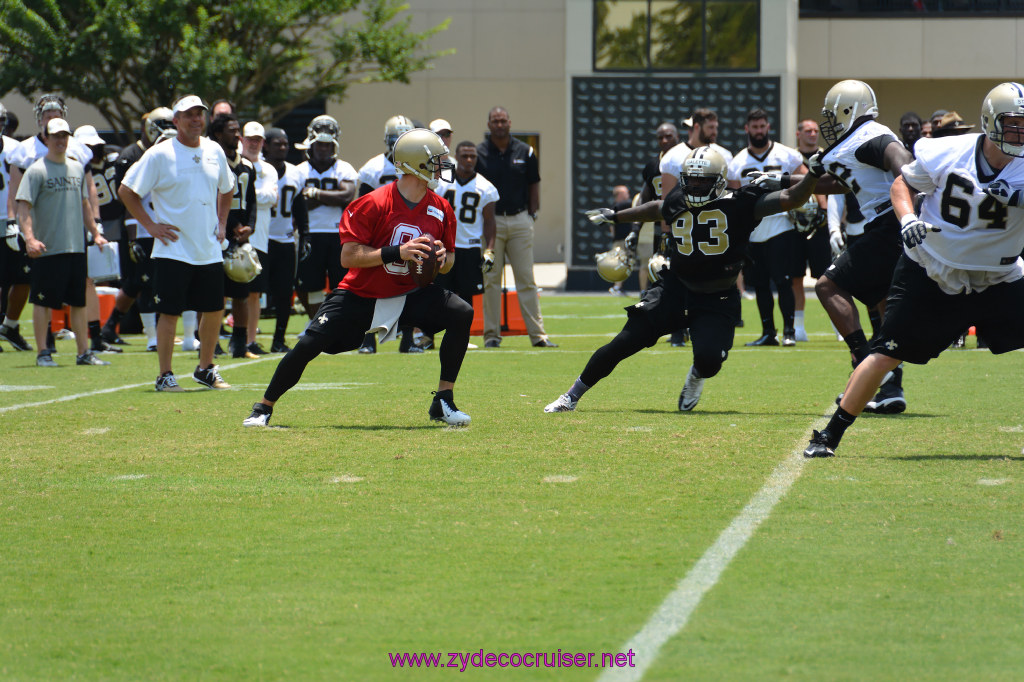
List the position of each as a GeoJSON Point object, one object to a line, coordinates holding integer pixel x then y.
{"type": "Point", "coordinates": [654, 265]}
{"type": "Point", "coordinates": [615, 265]}
{"type": "Point", "coordinates": [421, 152]}
{"type": "Point", "coordinates": [157, 121]}
{"type": "Point", "coordinates": [807, 218]}
{"type": "Point", "coordinates": [702, 177]}
{"type": "Point", "coordinates": [1006, 99]}
{"type": "Point", "coordinates": [846, 102]}
{"type": "Point", "coordinates": [323, 128]}
{"type": "Point", "coordinates": [393, 129]}
{"type": "Point", "coordinates": [242, 263]}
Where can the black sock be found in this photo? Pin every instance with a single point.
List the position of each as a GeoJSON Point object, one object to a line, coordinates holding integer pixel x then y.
{"type": "Point", "coordinates": [837, 425]}
{"type": "Point", "coordinates": [94, 330]}
{"type": "Point", "coordinates": [858, 345]}
{"type": "Point", "coordinates": [114, 319]}
{"type": "Point", "coordinates": [238, 335]}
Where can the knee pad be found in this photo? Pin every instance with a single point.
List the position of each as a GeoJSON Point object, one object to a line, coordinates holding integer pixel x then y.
{"type": "Point", "coordinates": [315, 296]}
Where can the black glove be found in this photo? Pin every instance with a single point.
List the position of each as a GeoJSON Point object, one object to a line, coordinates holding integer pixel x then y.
{"type": "Point", "coordinates": [814, 165]}
{"type": "Point", "coordinates": [915, 230]}
{"type": "Point", "coordinates": [631, 240]}
{"type": "Point", "coordinates": [305, 248]}
{"type": "Point", "coordinates": [1004, 194]}
{"type": "Point", "coordinates": [136, 253]}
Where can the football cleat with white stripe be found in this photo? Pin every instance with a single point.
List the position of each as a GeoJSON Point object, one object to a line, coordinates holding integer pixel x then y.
{"type": "Point", "coordinates": [563, 404]}
{"type": "Point", "coordinates": [443, 409]}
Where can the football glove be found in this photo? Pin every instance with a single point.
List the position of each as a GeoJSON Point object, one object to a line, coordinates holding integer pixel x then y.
{"type": "Point", "coordinates": [136, 253]}
{"type": "Point", "coordinates": [836, 242]}
{"type": "Point", "coordinates": [11, 234]}
{"type": "Point", "coordinates": [631, 240]}
{"type": "Point", "coordinates": [914, 230]}
{"type": "Point", "coordinates": [601, 215]}
{"type": "Point", "coordinates": [773, 181]}
{"type": "Point", "coordinates": [814, 165]}
{"type": "Point", "coordinates": [1001, 191]}
{"type": "Point", "coordinates": [487, 262]}
{"type": "Point", "coordinates": [305, 248]}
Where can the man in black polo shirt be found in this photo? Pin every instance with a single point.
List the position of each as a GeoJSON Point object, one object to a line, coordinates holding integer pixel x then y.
{"type": "Point", "coordinates": [512, 168]}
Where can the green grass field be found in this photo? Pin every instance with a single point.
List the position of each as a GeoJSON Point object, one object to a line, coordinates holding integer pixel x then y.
{"type": "Point", "coordinates": [148, 536]}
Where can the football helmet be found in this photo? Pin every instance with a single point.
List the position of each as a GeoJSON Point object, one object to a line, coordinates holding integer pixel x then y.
{"type": "Point", "coordinates": [1006, 99]}
{"type": "Point", "coordinates": [421, 153]}
{"type": "Point", "coordinates": [157, 121]}
{"type": "Point", "coordinates": [702, 177]}
{"type": "Point", "coordinates": [807, 218]}
{"type": "Point", "coordinates": [48, 102]}
{"type": "Point", "coordinates": [846, 102]}
{"type": "Point", "coordinates": [242, 263]}
{"type": "Point", "coordinates": [615, 265]}
{"type": "Point", "coordinates": [654, 266]}
{"type": "Point", "coordinates": [321, 129]}
{"type": "Point", "coordinates": [393, 129]}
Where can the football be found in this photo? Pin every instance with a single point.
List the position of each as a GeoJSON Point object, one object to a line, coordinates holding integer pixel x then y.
{"type": "Point", "coordinates": [424, 271]}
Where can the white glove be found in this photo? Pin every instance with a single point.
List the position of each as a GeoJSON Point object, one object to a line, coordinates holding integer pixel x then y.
{"type": "Point", "coordinates": [601, 215]}
{"type": "Point", "coordinates": [631, 240]}
{"type": "Point", "coordinates": [837, 242]}
{"type": "Point", "coordinates": [773, 181]}
{"type": "Point", "coordinates": [11, 234]}
{"type": "Point", "coordinates": [814, 165]}
{"type": "Point", "coordinates": [914, 230]}
{"type": "Point", "coordinates": [1004, 194]}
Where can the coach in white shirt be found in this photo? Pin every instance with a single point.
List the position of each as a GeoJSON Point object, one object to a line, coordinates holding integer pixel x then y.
{"type": "Point", "coordinates": [191, 188]}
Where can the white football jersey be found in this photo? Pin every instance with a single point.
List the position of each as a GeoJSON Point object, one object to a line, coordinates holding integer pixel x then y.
{"type": "Point", "coordinates": [326, 218]}
{"type": "Point", "coordinates": [377, 172]}
{"type": "Point", "coordinates": [288, 186]}
{"type": "Point", "coordinates": [266, 199]}
{"type": "Point", "coordinates": [778, 157]}
{"type": "Point", "coordinates": [870, 183]}
{"type": "Point", "coordinates": [469, 200]}
{"type": "Point", "coordinates": [978, 232]}
{"type": "Point", "coordinates": [28, 150]}
{"type": "Point", "coordinates": [672, 160]}
{"type": "Point", "coordinates": [7, 145]}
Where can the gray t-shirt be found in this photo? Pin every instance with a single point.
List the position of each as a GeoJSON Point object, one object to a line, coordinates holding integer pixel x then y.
{"type": "Point", "coordinates": [56, 191]}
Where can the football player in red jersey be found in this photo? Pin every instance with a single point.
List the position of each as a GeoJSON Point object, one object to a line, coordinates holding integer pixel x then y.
{"type": "Point", "coordinates": [380, 233]}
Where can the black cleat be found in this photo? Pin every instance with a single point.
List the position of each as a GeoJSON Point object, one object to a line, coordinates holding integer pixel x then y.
{"type": "Point", "coordinates": [279, 347]}
{"type": "Point", "coordinates": [819, 446]}
{"type": "Point", "coordinates": [12, 335]}
{"type": "Point", "coordinates": [766, 340]}
{"type": "Point", "coordinates": [443, 409]}
{"type": "Point", "coordinates": [256, 349]}
{"type": "Point", "coordinates": [260, 415]}
{"type": "Point", "coordinates": [101, 346]}
{"type": "Point", "coordinates": [111, 336]}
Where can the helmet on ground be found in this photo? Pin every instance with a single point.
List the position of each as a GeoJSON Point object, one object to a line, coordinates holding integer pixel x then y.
{"type": "Point", "coordinates": [1003, 101]}
{"type": "Point", "coordinates": [421, 152]}
{"type": "Point", "coordinates": [846, 102]}
{"type": "Point", "coordinates": [615, 265]}
{"type": "Point", "coordinates": [242, 263]}
{"type": "Point", "coordinates": [702, 176]}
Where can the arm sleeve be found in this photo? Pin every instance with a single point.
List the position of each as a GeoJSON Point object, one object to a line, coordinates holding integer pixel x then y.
{"type": "Point", "coordinates": [300, 214]}
{"type": "Point", "coordinates": [872, 152]}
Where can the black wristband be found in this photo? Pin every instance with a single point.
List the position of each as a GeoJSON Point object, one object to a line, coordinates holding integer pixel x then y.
{"type": "Point", "coordinates": [787, 181]}
{"type": "Point", "coordinates": [391, 254]}
{"type": "Point", "coordinates": [615, 216]}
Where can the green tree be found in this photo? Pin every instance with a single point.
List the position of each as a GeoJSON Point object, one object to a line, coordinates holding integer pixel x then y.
{"type": "Point", "coordinates": [127, 57]}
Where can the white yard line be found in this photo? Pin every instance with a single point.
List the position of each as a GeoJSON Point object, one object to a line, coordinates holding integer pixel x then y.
{"type": "Point", "coordinates": [675, 611]}
{"type": "Point", "coordinates": [76, 396]}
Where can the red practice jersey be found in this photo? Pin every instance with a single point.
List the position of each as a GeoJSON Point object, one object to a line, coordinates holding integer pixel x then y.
{"type": "Point", "coordinates": [382, 218]}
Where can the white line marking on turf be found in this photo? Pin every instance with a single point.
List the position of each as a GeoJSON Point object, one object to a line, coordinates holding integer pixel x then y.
{"type": "Point", "coordinates": [993, 481]}
{"type": "Point", "coordinates": [131, 477]}
{"type": "Point", "coordinates": [1011, 429]}
{"type": "Point", "coordinates": [11, 389]}
{"type": "Point", "coordinates": [96, 431]}
{"type": "Point", "coordinates": [560, 479]}
{"type": "Point", "coordinates": [675, 611]}
{"type": "Point", "coordinates": [102, 391]}
{"type": "Point", "coordinates": [346, 479]}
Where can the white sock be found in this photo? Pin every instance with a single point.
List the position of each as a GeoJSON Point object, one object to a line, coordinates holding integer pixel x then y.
{"type": "Point", "coordinates": [188, 321]}
{"type": "Point", "coordinates": [149, 327]}
{"type": "Point", "coordinates": [798, 319]}
{"type": "Point", "coordinates": [8, 322]}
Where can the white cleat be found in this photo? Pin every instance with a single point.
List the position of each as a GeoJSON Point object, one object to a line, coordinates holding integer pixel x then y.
{"type": "Point", "coordinates": [801, 334]}
{"type": "Point", "coordinates": [690, 395]}
{"type": "Point", "coordinates": [444, 410]}
{"type": "Point", "coordinates": [563, 404]}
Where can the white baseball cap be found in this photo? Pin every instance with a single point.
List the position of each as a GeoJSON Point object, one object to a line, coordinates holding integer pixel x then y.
{"type": "Point", "coordinates": [254, 129]}
{"type": "Point", "coordinates": [188, 102]}
{"type": "Point", "coordinates": [439, 124]}
{"type": "Point", "coordinates": [88, 136]}
{"type": "Point", "coordinates": [58, 125]}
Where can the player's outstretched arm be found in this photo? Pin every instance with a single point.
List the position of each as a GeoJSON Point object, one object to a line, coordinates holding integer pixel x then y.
{"type": "Point", "coordinates": [791, 197]}
{"type": "Point", "coordinates": [648, 212]}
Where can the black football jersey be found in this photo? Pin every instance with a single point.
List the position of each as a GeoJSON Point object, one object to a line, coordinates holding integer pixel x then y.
{"type": "Point", "coordinates": [711, 241]}
{"type": "Point", "coordinates": [243, 204]}
{"type": "Point", "coordinates": [652, 177]}
{"type": "Point", "coordinates": [105, 179]}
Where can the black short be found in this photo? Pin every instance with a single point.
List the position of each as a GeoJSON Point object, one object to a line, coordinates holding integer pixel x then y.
{"type": "Point", "coordinates": [323, 265]}
{"type": "Point", "coordinates": [15, 267]}
{"type": "Point", "coordinates": [921, 320]}
{"type": "Point", "coordinates": [259, 283]}
{"type": "Point", "coordinates": [344, 317]}
{"type": "Point", "coordinates": [138, 277]}
{"type": "Point", "coordinates": [58, 280]}
{"type": "Point", "coordinates": [180, 286]}
{"type": "Point", "coordinates": [814, 254]}
{"type": "Point", "coordinates": [233, 289]}
{"type": "Point", "coordinates": [668, 305]}
{"type": "Point", "coordinates": [865, 268]}
{"type": "Point", "coordinates": [772, 261]}
{"type": "Point", "coordinates": [279, 268]}
{"type": "Point", "coordinates": [465, 278]}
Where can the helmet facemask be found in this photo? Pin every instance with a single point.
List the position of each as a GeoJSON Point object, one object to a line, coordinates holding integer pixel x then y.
{"type": "Point", "coordinates": [703, 177]}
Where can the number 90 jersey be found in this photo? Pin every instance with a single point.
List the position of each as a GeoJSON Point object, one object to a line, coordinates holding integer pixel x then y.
{"type": "Point", "coordinates": [468, 199]}
{"type": "Point", "coordinates": [711, 240]}
{"type": "Point", "coordinates": [978, 232]}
